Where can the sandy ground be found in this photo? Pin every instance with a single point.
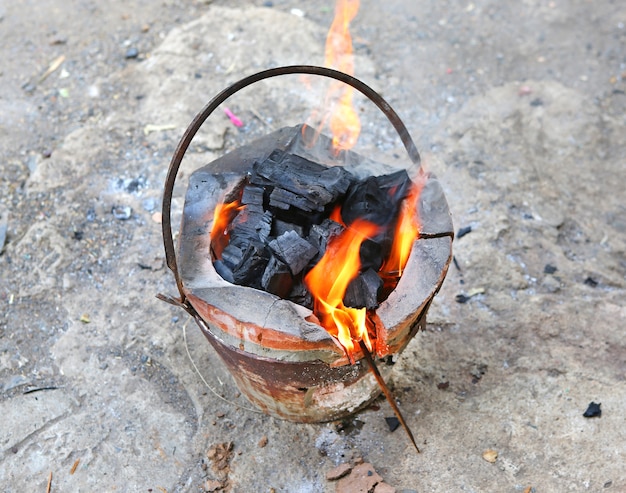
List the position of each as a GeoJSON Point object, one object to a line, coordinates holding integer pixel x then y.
{"type": "Point", "coordinates": [518, 107]}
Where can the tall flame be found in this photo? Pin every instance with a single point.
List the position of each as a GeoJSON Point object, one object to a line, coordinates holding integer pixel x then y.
{"type": "Point", "coordinates": [222, 217]}
{"type": "Point", "coordinates": [328, 281]}
{"type": "Point", "coordinates": [407, 230]}
{"type": "Point", "coordinates": [344, 121]}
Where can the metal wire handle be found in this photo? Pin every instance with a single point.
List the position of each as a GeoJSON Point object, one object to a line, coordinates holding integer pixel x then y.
{"type": "Point", "coordinates": [194, 126]}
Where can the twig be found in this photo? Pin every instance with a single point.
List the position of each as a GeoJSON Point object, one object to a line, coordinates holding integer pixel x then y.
{"type": "Point", "coordinates": [56, 63]}
{"type": "Point", "coordinates": [387, 392]}
{"type": "Point", "coordinates": [73, 469]}
{"type": "Point", "coordinates": [49, 482]}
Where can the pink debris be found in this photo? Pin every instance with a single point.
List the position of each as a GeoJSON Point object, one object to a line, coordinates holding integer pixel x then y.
{"type": "Point", "coordinates": [233, 118]}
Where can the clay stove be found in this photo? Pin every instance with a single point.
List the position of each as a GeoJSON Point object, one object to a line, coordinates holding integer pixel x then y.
{"type": "Point", "coordinates": [287, 365]}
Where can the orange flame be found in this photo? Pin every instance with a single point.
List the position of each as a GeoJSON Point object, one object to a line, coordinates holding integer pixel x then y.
{"type": "Point", "coordinates": [407, 230]}
{"type": "Point", "coordinates": [328, 281]}
{"type": "Point", "coordinates": [222, 217]}
{"type": "Point", "coordinates": [344, 121]}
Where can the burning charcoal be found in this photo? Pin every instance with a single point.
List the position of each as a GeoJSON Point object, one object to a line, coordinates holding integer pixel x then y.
{"type": "Point", "coordinates": [285, 200]}
{"type": "Point", "coordinates": [321, 234]}
{"type": "Point", "coordinates": [376, 198]}
{"type": "Point", "coordinates": [223, 271]}
{"type": "Point", "coordinates": [593, 410]}
{"type": "Point", "coordinates": [252, 195]}
{"type": "Point", "coordinates": [363, 290]}
{"type": "Point", "coordinates": [251, 225]}
{"type": "Point", "coordinates": [249, 271]}
{"type": "Point", "coordinates": [295, 251]}
{"type": "Point", "coordinates": [277, 278]}
{"type": "Point", "coordinates": [279, 227]}
{"type": "Point", "coordinates": [371, 255]}
{"type": "Point", "coordinates": [231, 256]}
{"type": "Point", "coordinates": [317, 185]}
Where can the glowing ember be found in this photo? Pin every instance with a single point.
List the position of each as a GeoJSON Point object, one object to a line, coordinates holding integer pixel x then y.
{"type": "Point", "coordinates": [344, 121]}
{"type": "Point", "coordinates": [328, 281]}
{"type": "Point", "coordinates": [222, 217]}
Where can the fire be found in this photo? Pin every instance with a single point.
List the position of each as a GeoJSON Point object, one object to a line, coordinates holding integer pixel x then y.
{"type": "Point", "coordinates": [328, 281]}
{"type": "Point", "coordinates": [344, 121]}
{"type": "Point", "coordinates": [407, 230]}
{"type": "Point", "coordinates": [222, 217]}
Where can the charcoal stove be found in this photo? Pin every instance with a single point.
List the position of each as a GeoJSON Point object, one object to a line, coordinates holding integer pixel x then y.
{"type": "Point", "coordinates": [281, 359]}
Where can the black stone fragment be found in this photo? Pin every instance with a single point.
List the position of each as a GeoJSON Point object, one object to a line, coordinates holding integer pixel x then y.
{"type": "Point", "coordinates": [463, 231]}
{"type": "Point", "coordinates": [393, 423]}
{"type": "Point", "coordinates": [593, 410]}
{"type": "Point", "coordinates": [461, 298]}
{"type": "Point", "coordinates": [549, 269]}
{"type": "Point", "coordinates": [591, 282]}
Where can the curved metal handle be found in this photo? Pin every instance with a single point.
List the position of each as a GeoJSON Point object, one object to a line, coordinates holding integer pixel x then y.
{"type": "Point", "coordinates": [194, 126]}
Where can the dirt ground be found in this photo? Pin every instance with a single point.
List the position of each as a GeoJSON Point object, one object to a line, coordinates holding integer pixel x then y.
{"type": "Point", "coordinates": [518, 108]}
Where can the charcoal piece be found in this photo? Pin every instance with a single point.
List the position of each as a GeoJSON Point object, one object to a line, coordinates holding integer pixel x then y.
{"type": "Point", "coordinates": [232, 255]}
{"type": "Point", "coordinates": [252, 195]}
{"type": "Point", "coordinates": [393, 423]}
{"type": "Point", "coordinates": [549, 269]}
{"type": "Point", "coordinates": [293, 250]}
{"type": "Point", "coordinates": [300, 294]}
{"type": "Point", "coordinates": [322, 233]}
{"type": "Point", "coordinates": [279, 227]}
{"type": "Point", "coordinates": [376, 199]}
{"type": "Point", "coordinates": [277, 278]}
{"type": "Point", "coordinates": [223, 271]}
{"type": "Point", "coordinates": [463, 231]}
{"type": "Point", "coordinates": [251, 225]}
{"type": "Point", "coordinates": [364, 290]}
{"type": "Point", "coordinates": [372, 254]}
{"type": "Point", "coordinates": [318, 185]}
{"type": "Point", "coordinates": [249, 271]}
{"type": "Point", "coordinates": [593, 410]}
{"type": "Point", "coordinates": [285, 200]}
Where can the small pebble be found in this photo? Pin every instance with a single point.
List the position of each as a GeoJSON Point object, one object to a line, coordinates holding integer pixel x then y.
{"type": "Point", "coordinates": [549, 269]}
{"type": "Point", "coordinates": [490, 455]}
{"type": "Point", "coordinates": [263, 441]}
{"type": "Point", "coordinates": [121, 212]}
{"type": "Point", "coordinates": [132, 53]}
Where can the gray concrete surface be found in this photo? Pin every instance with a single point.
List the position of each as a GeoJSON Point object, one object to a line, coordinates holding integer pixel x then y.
{"type": "Point", "coordinates": [518, 107]}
